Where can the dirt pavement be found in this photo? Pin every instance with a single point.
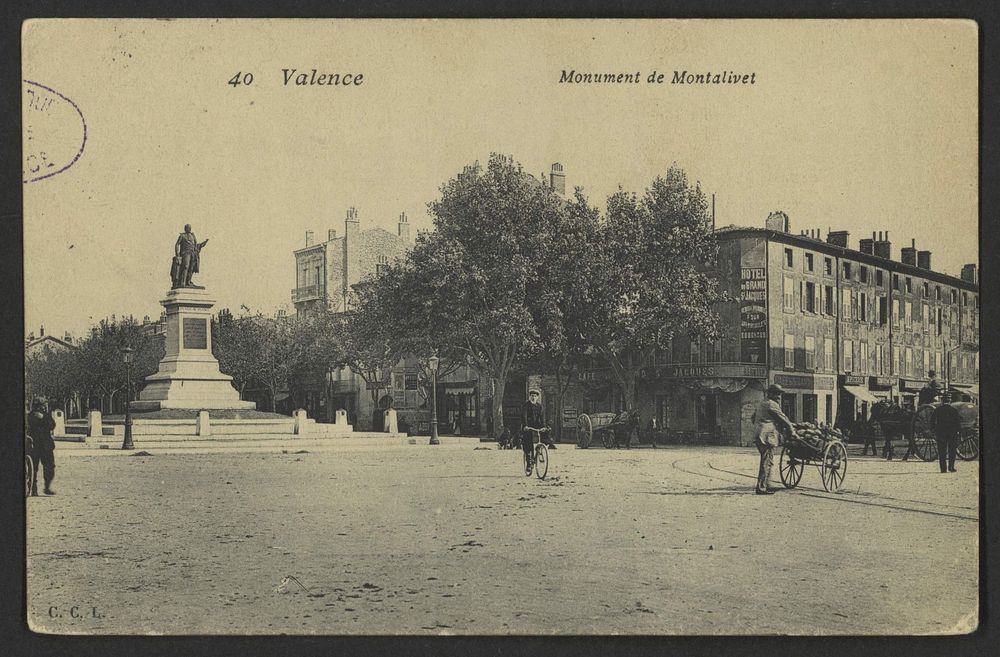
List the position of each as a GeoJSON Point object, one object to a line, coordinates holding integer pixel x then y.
{"type": "Point", "coordinates": [454, 539]}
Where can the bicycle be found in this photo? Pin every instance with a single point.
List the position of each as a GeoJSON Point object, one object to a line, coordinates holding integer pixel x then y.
{"type": "Point", "coordinates": [539, 461]}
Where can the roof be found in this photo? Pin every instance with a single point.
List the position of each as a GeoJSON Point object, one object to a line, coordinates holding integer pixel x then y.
{"type": "Point", "coordinates": [737, 232]}
{"type": "Point", "coordinates": [49, 338]}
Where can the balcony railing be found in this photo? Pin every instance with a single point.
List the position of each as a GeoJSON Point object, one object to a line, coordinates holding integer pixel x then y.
{"type": "Point", "coordinates": [308, 293]}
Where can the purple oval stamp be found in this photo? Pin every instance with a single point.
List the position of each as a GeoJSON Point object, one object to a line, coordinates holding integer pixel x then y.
{"type": "Point", "coordinates": [55, 132]}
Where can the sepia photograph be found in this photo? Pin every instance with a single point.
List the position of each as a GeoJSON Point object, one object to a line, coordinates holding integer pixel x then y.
{"type": "Point", "coordinates": [420, 327]}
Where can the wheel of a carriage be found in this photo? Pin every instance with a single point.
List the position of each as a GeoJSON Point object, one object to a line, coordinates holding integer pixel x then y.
{"type": "Point", "coordinates": [834, 465]}
{"type": "Point", "coordinates": [608, 438]}
{"type": "Point", "coordinates": [585, 431]}
{"type": "Point", "coordinates": [968, 445]}
{"type": "Point", "coordinates": [923, 435]}
{"type": "Point", "coordinates": [29, 475]}
{"type": "Point", "coordinates": [789, 468]}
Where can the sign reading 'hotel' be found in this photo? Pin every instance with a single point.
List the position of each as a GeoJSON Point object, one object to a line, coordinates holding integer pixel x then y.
{"type": "Point", "coordinates": [753, 314]}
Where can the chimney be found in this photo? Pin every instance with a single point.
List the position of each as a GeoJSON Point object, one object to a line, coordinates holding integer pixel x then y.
{"type": "Point", "coordinates": [557, 179]}
{"type": "Point", "coordinates": [778, 221]}
{"type": "Point", "coordinates": [924, 259]}
{"type": "Point", "coordinates": [68, 338]}
{"type": "Point", "coordinates": [968, 274]}
{"type": "Point", "coordinates": [41, 330]}
{"type": "Point", "coordinates": [908, 254]}
{"type": "Point", "coordinates": [883, 247]}
{"type": "Point", "coordinates": [331, 234]}
{"type": "Point", "coordinates": [309, 238]}
{"type": "Point", "coordinates": [868, 245]}
{"type": "Point", "coordinates": [403, 228]}
{"type": "Point", "coordinates": [837, 237]}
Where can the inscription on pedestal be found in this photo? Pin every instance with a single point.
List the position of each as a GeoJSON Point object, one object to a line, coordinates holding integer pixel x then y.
{"type": "Point", "coordinates": [195, 333]}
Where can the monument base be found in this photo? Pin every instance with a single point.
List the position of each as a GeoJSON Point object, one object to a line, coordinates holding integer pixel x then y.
{"type": "Point", "coordinates": [188, 375]}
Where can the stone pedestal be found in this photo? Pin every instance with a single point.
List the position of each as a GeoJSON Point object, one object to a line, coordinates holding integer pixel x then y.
{"type": "Point", "coordinates": [189, 375]}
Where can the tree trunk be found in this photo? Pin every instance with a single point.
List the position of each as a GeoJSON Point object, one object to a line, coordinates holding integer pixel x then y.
{"type": "Point", "coordinates": [497, 406]}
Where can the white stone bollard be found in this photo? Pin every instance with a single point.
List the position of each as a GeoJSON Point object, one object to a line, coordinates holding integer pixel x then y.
{"type": "Point", "coordinates": [340, 419]}
{"type": "Point", "coordinates": [94, 427]}
{"type": "Point", "coordinates": [390, 424]}
{"type": "Point", "coordinates": [60, 420]}
{"type": "Point", "coordinates": [300, 421]}
{"type": "Point", "coordinates": [204, 424]}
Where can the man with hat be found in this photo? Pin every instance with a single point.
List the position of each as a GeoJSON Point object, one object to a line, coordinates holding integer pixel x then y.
{"type": "Point", "coordinates": [39, 426]}
{"type": "Point", "coordinates": [768, 420]}
{"type": "Point", "coordinates": [532, 415]}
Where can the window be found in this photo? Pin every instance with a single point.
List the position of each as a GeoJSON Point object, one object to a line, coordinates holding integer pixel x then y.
{"type": "Point", "coordinates": [895, 361]}
{"type": "Point", "coordinates": [927, 290]}
{"type": "Point", "coordinates": [927, 361]}
{"type": "Point", "coordinates": [863, 307]}
{"type": "Point", "coordinates": [965, 299]}
{"type": "Point", "coordinates": [937, 361]}
{"type": "Point", "coordinates": [789, 294]}
{"type": "Point", "coordinates": [846, 305]}
{"type": "Point", "coordinates": [715, 351]}
{"type": "Point", "coordinates": [847, 271]}
{"type": "Point", "coordinates": [381, 265]}
{"type": "Point", "coordinates": [789, 351]}
{"type": "Point", "coordinates": [895, 281]}
{"type": "Point", "coordinates": [883, 311]}
{"type": "Point", "coordinates": [909, 284]}
{"type": "Point", "coordinates": [863, 365]}
{"type": "Point", "coordinates": [848, 355]}
{"type": "Point", "coordinates": [809, 408]}
{"type": "Point", "coordinates": [695, 352]}
{"type": "Point", "coordinates": [954, 296]}
{"type": "Point", "coordinates": [863, 274]}
{"type": "Point", "coordinates": [809, 297]}
{"type": "Point", "coordinates": [810, 352]}
{"type": "Point", "coordinates": [828, 266]}
{"type": "Point", "coordinates": [788, 258]}
{"type": "Point", "coordinates": [829, 409]}
{"type": "Point", "coordinates": [878, 277]}
{"type": "Point", "coordinates": [830, 301]}
{"type": "Point", "coordinates": [937, 292]}
{"type": "Point", "coordinates": [828, 354]}
{"type": "Point", "coordinates": [809, 262]}
{"type": "Point", "coordinates": [940, 320]}
{"type": "Point", "coordinates": [908, 315]}
{"type": "Point", "coordinates": [879, 359]}
{"type": "Point", "coordinates": [908, 364]}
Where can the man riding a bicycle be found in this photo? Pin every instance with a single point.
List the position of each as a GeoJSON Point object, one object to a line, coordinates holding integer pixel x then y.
{"type": "Point", "coordinates": [533, 417]}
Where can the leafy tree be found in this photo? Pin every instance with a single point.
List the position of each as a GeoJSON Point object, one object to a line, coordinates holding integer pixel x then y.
{"type": "Point", "coordinates": [649, 280]}
{"type": "Point", "coordinates": [237, 343]}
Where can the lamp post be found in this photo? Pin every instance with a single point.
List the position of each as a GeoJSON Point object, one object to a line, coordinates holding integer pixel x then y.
{"type": "Point", "coordinates": [432, 363]}
{"type": "Point", "coordinates": [127, 357]}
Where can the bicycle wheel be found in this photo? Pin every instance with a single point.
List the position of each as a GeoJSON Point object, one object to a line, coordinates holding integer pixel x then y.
{"type": "Point", "coordinates": [527, 464]}
{"type": "Point", "coordinates": [541, 460]}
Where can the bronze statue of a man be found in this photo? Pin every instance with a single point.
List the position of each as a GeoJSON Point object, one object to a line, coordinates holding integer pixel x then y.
{"type": "Point", "coordinates": [187, 257]}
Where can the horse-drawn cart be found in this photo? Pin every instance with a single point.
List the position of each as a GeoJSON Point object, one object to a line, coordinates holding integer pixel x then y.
{"type": "Point", "coordinates": [919, 424]}
{"type": "Point", "coordinates": [610, 428]}
{"type": "Point", "coordinates": [810, 445]}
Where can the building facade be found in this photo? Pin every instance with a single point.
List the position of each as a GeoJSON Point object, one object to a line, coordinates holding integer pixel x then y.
{"type": "Point", "coordinates": [838, 328]}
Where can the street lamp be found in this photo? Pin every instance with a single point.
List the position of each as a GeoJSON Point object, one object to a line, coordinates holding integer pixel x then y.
{"type": "Point", "coordinates": [127, 357]}
{"type": "Point", "coordinates": [432, 363]}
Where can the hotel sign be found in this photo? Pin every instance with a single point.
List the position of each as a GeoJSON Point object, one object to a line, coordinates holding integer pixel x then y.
{"type": "Point", "coordinates": [753, 314]}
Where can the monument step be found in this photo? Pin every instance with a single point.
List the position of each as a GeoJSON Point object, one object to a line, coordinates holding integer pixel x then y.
{"type": "Point", "coordinates": [273, 444]}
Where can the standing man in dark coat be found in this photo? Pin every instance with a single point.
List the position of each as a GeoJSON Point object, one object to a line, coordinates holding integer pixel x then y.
{"type": "Point", "coordinates": [947, 425]}
{"type": "Point", "coordinates": [768, 421]}
{"type": "Point", "coordinates": [39, 426]}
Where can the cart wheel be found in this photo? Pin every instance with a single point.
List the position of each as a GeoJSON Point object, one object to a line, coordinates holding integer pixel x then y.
{"type": "Point", "coordinates": [923, 435]}
{"type": "Point", "coordinates": [834, 465]}
{"type": "Point", "coordinates": [585, 431]}
{"type": "Point", "coordinates": [968, 447]}
{"type": "Point", "coordinates": [790, 468]}
{"type": "Point", "coordinates": [29, 475]}
{"type": "Point", "coordinates": [608, 438]}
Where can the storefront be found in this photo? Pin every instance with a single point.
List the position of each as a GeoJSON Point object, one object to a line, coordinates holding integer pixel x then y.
{"type": "Point", "coordinates": [881, 387]}
{"type": "Point", "coordinates": [712, 401]}
{"type": "Point", "coordinates": [856, 400]}
{"type": "Point", "coordinates": [808, 397]}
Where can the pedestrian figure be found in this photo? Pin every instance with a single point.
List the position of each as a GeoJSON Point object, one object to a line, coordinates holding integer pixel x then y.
{"type": "Point", "coordinates": [533, 415]}
{"type": "Point", "coordinates": [769, 420]}
{"type": "Point", "coordinates": [927, 395]}
{"type": "Point", "coordinates": [39, 426]}
{"type": "Point", "coordinates": [947, 424]}
{"type": "Point", "coordinates": [872, 429]}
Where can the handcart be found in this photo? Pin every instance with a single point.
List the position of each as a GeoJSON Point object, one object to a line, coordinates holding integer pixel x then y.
{"type": "Point", "coordinates": [811, 445]}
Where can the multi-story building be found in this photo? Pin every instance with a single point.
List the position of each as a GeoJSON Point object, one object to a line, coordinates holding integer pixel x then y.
{"type": "Point", "coordinates": [837, 328]}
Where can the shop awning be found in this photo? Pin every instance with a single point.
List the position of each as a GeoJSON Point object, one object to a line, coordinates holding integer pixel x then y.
{"type": "Point", "coordinates": [972, 389]}
{"type": "Point", "coordinates": [862, 394]}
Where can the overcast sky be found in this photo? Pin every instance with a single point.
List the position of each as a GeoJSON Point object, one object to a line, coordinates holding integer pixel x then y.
{"type": "Point", "coordinates": [858, 126]}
